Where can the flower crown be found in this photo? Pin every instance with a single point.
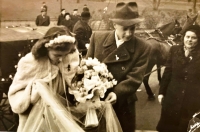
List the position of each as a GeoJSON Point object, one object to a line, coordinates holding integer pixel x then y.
{"type": "Point", "coordinates": [60, 39]}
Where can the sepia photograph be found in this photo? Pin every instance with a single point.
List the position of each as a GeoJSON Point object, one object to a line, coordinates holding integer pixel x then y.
{"type": "Point", "coordinates": [99, 66]}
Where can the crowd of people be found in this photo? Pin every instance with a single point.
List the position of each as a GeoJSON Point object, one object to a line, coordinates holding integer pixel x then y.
{"type": "Point", "coordinates": [47, 71]}
{"type": "Point", "coordinates": [76, 23]}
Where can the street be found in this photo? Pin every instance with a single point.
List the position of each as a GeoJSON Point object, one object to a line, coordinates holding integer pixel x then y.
{"type": "Point", "coordinates": [148, 112]}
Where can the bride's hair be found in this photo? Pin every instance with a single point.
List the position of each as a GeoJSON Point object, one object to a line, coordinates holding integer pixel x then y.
{"type": "Point", "coordinates": [40, 50]}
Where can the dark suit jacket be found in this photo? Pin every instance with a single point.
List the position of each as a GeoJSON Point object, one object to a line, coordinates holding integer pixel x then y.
{"type": "Point", "coordinates": [83, 33]}
{"type": "Point", "coordinates": [75, 19]}
{"type": "Point", "coordinates": [129, 69]}
{"type": "Point", "coordinates": [61, 17]}
{"type": "Point", "coordinates": [67, 23]}
{"type": "Point", "coordinates": [40, 21]}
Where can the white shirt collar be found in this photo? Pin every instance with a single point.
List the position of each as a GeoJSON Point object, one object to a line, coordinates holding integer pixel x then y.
{"type": "Point", "coordinates": [118, 42]}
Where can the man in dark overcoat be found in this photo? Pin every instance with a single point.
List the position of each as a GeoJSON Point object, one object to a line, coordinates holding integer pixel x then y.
{"type": "Point", "coordinates": [75, 16]}
{"type": "Point", "coordinates": [83, 32]}
{"type": "Point", "coordinates": [126, 57]}
{"type": "Point", "coordinates": [43, 19]}
{"type": "Point", "coordinates": [61, 17]}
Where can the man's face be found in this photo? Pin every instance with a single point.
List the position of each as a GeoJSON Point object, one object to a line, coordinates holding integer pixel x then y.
{"type": "Point", "coordinates": [43, 13]}
{"type": "Point", "coordinates": [63, 12]}
{"type": "Point", "coordinates": [123, 32]}
{"type": "Point", "coordinates": [75, 12]}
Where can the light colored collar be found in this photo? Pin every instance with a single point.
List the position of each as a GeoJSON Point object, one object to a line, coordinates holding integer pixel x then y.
{"type": "Point", "coordinates": [118, 42]}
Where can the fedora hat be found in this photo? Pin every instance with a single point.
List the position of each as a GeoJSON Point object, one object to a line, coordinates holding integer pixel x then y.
{"type": "Point", "coordinates": [126, 14]}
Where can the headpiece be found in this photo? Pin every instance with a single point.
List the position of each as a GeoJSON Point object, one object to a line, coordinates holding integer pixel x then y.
{"type": "Point", "coordinates": [59, 40]}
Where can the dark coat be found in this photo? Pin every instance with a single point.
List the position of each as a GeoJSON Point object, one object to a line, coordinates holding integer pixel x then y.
{"type": "Point", "coordinates": [128, 70]}
{"type": "Point", "coordinates": [83, 33]}
{"type": "Point", "coordinates": [40, 21]}
{"type": "Point", "coordinates": [181, 89]}
{"type": "Point", "coordinates": [67, 23]}
{"type": "Point", "coordinates": [75, 19]}
{"type": "Point", "coordinates": [61, 17]}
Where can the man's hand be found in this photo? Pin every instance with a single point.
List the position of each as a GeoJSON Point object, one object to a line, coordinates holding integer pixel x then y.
{"type": "Point", "coordinates": [87, 45]}
{"type": "Point", "coordinates": [160, 98]}
{"type": "Point", "coordinates": [111, 98]}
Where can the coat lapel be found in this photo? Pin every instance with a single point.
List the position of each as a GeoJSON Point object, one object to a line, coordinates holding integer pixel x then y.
{"type": "Point", "coordinates": [109, 45]}
{"type": "Point", "coordinates": [113, 54]}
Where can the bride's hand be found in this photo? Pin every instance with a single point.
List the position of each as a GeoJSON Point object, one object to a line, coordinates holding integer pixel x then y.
{"type": "Point", "coordinates": [111, 98]}
{"type": "Point", "coordinates": [34, 94]}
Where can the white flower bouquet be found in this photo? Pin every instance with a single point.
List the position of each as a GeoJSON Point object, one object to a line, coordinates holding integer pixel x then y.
{"type": "Point", "coordinates": [94, 76]}
{"type": "Point", "coordinates": [91, 83]}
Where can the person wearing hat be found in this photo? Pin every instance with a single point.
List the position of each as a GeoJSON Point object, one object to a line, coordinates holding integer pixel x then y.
{"type": "Point", "coordinates": [67, 22]}
{"type": "Point", "coordinates": [85, 8]}
{"type": "Point", "coordinates": [43, 19]}
{"type": "Point", "coordinates": [75, 16]}
{"type": "Point", "coordinates": [61, 17]}
{"type": "Point", "coordinates": [44, 6]}
{"type": "Point", "coordinates": [83, 32]}
{"type": "Point", "coordinates": [180, 86]}
{"type": "Point", "coordinates": [126, 57]}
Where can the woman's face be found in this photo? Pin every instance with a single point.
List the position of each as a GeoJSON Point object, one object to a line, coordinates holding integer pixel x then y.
{"type": "Point", "coordinates": [56, 56]}
{"type": "Point", "coordinates": [190, 39]}
{"type": "Point", "coordinates": [67, 17]}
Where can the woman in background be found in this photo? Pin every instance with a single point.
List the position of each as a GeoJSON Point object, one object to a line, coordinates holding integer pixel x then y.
{"type": "Point", "coordinates": [180, 86]}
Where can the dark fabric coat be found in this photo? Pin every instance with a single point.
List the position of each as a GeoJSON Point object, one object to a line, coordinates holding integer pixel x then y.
{"type": "Point", "coordinates": [61, 17]}
{"type": "Point", "coordinates": [75, 19]}
{"type": "Point", "coordinates": [83, 33]}
{"type": "Point", "coordinates": [128, 70]}
{"type": "Point", "coordinates": [181, 89]}
{"type": "Point", "coordinates": [67, 23]}
{"type": "Point", "coordinates": [40, 21]}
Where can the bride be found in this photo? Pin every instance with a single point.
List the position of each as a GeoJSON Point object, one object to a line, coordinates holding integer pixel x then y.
{"type": "Point", "coordinates": [39, 92]}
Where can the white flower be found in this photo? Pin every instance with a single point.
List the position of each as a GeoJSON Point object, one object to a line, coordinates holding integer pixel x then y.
{"type": "Point", "coordinates": [110, 75]}
{"type": "Point", "coordinates": [92, 62]}
{"type": "Point", "coordinates": [88, 73]}
{"type": "Point", "coordinates": [114, 82]}
{"type": "Point", "coordinates": [89, 84]}
{"type": "Point", "coordinates": [98, 68]}
{"type": "Point", "coordinates": [96, 80]}
{"type": "Point", "coordinates": [94, 73]}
